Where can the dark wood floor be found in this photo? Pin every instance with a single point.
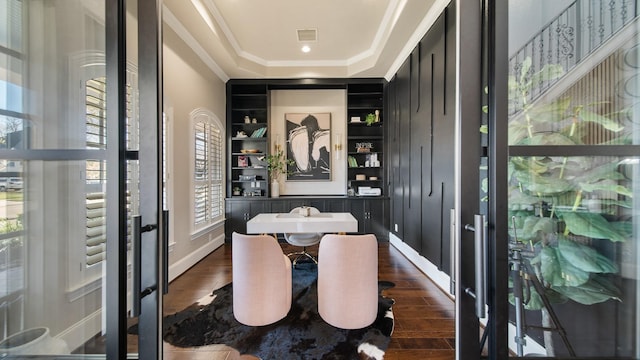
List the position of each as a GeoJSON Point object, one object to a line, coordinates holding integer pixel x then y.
{"type": "Point", "coordinates": [424, 315]}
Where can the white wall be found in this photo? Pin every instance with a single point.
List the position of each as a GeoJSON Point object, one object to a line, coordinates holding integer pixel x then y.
{"type": "Point", "coordinates": [527, 17]}
{"type": "Point", "coordinates": [188, 85]}
{"type": "Point", "coordinates": [312, 101]}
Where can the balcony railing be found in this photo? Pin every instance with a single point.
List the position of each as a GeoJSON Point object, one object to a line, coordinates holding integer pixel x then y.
{"type": "Point", "coordinates": [578, 31]}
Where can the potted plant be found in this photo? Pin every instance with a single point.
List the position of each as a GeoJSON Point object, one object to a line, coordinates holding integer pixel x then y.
{"type": "Point", "coordinates": [277, 164]}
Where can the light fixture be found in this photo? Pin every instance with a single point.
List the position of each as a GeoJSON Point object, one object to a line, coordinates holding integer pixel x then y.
{"type": "Point", "coordinates": [337, 145]}
{"type": "Point", "coordinates": [276, 144]}
{"type": "Point", "coordinates": [306, 49]}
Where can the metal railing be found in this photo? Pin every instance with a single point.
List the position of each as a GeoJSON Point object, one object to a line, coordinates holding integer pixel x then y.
{"type": "Point", "coordinates": [578, 31]}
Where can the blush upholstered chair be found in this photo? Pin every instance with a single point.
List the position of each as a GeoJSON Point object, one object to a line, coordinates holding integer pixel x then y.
{"type": "Point", "coordinates": [303, 239]}
{"type": "Point", "coordinates": [261, 280]}
{"type": "Point", "coordinates": [348, 280]}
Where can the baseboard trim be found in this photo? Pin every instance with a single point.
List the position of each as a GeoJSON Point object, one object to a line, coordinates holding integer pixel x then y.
{"type": "Point", "coordinates": [441, 279]}
{"type": "Point", "coordinates": [184, 264]}
{"type": "Point", "coordinates": [76, 335]}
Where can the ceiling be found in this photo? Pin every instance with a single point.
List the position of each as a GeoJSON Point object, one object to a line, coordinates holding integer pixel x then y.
{"type": "Point", "coordinates": [259, 38]}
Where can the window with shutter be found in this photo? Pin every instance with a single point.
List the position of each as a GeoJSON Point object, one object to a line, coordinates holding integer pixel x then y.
{"type": "Point", "coordinates": [208, 145]}
{"type": "Point", "coordinates": [95, 173]}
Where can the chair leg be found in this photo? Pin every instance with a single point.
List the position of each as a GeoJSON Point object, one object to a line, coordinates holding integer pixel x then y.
{"type": "Point", "coordinates": [301, 255]}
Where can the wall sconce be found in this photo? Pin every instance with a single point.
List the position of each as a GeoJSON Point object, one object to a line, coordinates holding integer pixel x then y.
{"type": "Point", "coordinates": [338, 145]}
{"type": "Point", "coordinates": [277, 146]}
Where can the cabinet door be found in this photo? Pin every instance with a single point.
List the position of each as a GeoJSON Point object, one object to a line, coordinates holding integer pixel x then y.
{"type": "Point", "coordinates": [337, 205]}
{"type": "Point", "coordinates": [236, 217]}
{"type": "Point", "coordinates": [376, 219]}
{"type": "Point", "coordinates": [358, 210]}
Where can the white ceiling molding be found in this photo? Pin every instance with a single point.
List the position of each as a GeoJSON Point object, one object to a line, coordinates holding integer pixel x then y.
{"type": "Point", "coordinates": [384, 29]}
{"type": "Point", "coordinates": [170, 19]}
{"type": "Point", "coordinates": [434, 12]}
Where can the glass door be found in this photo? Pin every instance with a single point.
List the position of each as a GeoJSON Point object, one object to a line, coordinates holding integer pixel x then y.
{"type": "Point", "coordinates": [70, 95]}
{"type": "Point", "coordinates": [568, 107]}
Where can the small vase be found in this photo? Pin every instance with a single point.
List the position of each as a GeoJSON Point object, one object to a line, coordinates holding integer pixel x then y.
{"type": "Point", "coordinates": [275, 189]}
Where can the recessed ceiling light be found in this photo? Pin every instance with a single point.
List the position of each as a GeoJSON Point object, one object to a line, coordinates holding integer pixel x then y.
{"type": "Point", "coordinates": [306, 49]}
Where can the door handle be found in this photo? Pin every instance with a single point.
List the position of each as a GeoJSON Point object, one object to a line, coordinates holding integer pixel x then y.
{"type": "Point", "coordinates": [165, 252]}
{"type": "Point", "coordinates": [480, 247]}
{"type": "Point", "coordinates": [136, 258]}
{"type": "Point", "coordinates": [136, 254]}
{"type": "Point", "coordinates": [453, 250]}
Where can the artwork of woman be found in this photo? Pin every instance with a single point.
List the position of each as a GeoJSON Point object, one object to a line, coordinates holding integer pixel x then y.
{"type": "Point", "coordinates": [309, 145]}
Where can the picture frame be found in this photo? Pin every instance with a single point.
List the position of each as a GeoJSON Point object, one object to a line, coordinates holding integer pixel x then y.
{"type": "Point", "coordinates": [309, 146]}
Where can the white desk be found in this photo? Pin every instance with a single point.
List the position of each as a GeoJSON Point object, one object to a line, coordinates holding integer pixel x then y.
{"type": "Point", "coordinates": [296, 223]}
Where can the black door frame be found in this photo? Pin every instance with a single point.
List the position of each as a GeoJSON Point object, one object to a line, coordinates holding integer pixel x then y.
{"type": "Point", "coordinates": [481, 62]}
{"type": "Point", "coordinates": [153, 260]}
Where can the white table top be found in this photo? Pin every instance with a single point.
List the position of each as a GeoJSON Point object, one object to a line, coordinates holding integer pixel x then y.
{"type": "Point", "coordinates": [296, 223]}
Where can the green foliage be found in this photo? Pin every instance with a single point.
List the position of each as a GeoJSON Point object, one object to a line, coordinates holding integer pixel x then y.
{"type": "Point", "coordinates": [278, 164]}
{"type": "Point", "coordinates": [547, 195]}
{"type": "Point", "coordinates": [370, 119]}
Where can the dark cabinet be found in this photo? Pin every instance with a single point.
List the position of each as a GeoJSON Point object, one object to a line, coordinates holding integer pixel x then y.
{"type": "Point", "coordinates": [370, 212]}
{"type": "Point", "coordinates": [248, 119]}
{"type": "Point", "coordinates": [365, 139]}
{"type": "Point", "coordinates": [239, 212]}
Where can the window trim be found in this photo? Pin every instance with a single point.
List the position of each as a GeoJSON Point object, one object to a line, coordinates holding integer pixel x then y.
{"type": "Point", "coordinates": [202, 115]}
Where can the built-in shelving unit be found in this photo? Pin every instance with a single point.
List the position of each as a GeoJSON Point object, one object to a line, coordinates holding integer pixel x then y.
{"type": "Point", "coordinates": [248, 115]}
{"type": "Point", "coordinates": [365, 141]}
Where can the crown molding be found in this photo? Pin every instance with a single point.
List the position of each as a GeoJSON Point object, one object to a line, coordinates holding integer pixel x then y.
{"type": "Point", "coordinates": [172, 21]}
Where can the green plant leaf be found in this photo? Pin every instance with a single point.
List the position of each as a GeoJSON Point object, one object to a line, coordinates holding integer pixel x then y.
{"type": "Point", "coordinates": [598, 289]}
{"type": "Point", "coordinates": [584, 257]}
{"type": "Point", "coordinates": [548, 139]}
{"type": "Point", "coordinates": [529, 164]}
{"type": "Point", "coordinates": [526, 66]}
{"type": "Point", "coordinates": [549, 72]}
{"type": "Point", "coordinates": [543, 185]}
{"type": "Point", "coordinates": [607, 123]}
{"type": "Point", "coordinates": [555, 111]}
{"type": "Point", "coordinates": [550, 267]}
{"type": "Point", "coordinates": [484, 129]}
{"type": "Point", "coordinates": [606, 185]}
{"type": "Point", "coordinates": [590, 225]}
{"type": "Point", "coordinates": [606, 171]}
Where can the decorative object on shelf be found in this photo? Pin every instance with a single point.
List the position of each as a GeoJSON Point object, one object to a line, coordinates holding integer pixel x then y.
{"type": "Point", "coordinates": [241, 134]}
{"type": "Point", "coordinates": [372, 160]}
{"type": "Point", "coordinates": [361, 177]}
{"type": "Point", "coordinates": [353, 163]}
{"type": "Point", "coordinates": [309, 145]}
{"type": "Point", "coordinates": [248, 178]}
{"type": "Point", "coordinates": [370, 119]}
{"type": "Point", "coordinates": [377, 112]}
{"type": "Point", "coordinates": [364, 147]}
{"type": "Point", "coordinates": [277, 165]}
{"type": "Point", "coordinates": [237, 191]}
{"type": "Point", "coordinates": [243, 161]}
{"type": "Point", "coordinates": [255, 121]}
{"type": "Point", "coordinates": [249, 151]}
{"type": "Point", "coordinates": [258, 133]}
{"type": "Point", "coordinates": [355, 119]}
{"type": "Point", "coordinates": [247, 120]}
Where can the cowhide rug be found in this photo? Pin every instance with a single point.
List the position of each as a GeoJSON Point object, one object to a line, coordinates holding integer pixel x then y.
{"type": "Point", "coordinates": [302, 334]}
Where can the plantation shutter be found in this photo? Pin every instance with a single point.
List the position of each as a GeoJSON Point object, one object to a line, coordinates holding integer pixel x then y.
{"type": "Point", "coordinates": [208, 173]}
{"type": "Point", "coordinates": [95, 173]}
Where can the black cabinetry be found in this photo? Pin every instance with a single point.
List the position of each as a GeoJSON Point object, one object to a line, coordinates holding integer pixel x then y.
{"type": "Point", "coordinates": [370, 212]}
{"type": "Point", "coordinates": [365, 140]}
{"type": "Point", "coordinates": [247, 115]}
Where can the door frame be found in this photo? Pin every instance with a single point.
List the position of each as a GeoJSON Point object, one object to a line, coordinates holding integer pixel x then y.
{"type": "Point", "coordinates": [481, 62]}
